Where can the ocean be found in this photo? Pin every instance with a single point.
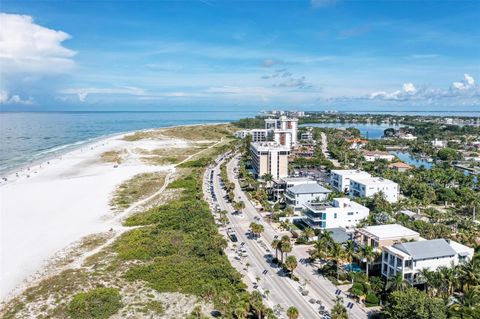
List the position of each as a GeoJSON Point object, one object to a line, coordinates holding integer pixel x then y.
{"type": "Point", "coordinates": [27, 137]}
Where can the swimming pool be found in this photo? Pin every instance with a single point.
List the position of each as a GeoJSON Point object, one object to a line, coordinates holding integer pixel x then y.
{"type": "Point", "coordinates": [352, 267]}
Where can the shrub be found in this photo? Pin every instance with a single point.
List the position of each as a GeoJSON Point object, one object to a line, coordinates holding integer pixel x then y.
{"type": "Point", "coordinates": [371, 300]}
{"type": "Point", "coordinates": [99, 303]}
{"type": "Point", "coordinates": [357, 289]}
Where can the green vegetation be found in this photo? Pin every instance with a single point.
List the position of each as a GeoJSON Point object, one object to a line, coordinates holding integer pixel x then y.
{"type": "Point", "coordinates": [99, 303]}
{"type": "Point", "coordinates": [413, 303]}
{"type": "Point", "coordinates": [137, 188]}
{"type": "Point", "coordinates": [112, 157]}
{"type": "Point", "coordinates": [179, 249]}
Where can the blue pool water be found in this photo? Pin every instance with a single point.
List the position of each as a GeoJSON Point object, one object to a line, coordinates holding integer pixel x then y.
{"type": "Point", "coordinates": [352, 267]}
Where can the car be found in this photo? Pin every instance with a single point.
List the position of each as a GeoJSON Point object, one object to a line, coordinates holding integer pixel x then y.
{"type": "Point", "coordinates": [233, 238]}
{"type": "Point", "coordinates": [311, 300]}
{"type": "Point", "coordinates": [305, 292]}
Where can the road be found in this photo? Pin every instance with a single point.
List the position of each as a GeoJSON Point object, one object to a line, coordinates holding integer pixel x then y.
{"type": "Point", "coordinates": [325, 151]}
{"type": "Point", "coordinates": [282, 290]}
{"type": "Point", "coordinates": [319, 287]}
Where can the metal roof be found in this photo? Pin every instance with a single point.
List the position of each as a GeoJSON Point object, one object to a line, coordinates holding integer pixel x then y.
{"type": "Point", "coordinates": [427, 249]}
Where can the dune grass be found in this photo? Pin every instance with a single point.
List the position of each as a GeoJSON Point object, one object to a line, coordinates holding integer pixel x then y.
{"type": "Point", "coordinates": [138, 187]}
{"type": "Point", "coordinates": [112, 157]}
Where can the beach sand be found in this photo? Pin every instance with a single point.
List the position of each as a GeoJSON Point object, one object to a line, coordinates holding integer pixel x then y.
{"type": "Point", "coordinates": [49, 206]}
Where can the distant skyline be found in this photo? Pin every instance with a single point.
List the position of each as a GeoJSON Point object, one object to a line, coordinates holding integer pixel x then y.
{"type": "Point", "coordinates": [252, 55]}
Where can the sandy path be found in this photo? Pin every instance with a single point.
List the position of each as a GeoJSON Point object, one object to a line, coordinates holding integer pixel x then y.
{"type": "Point", "coordinates": [46, 207]}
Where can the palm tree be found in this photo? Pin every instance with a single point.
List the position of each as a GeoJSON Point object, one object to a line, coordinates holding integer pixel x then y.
{"type": "Point", "coordinates": [241, 311]}
{"type": "Point", "coordinates": [327, 240]}
{"type": "Point", "coordinates": [291, 263]}
{"type": "Point", "coordinates": [225, 299]}
{"type": "Point", "coordinates": [350, 252]}
{"type": "Point", "coordinates": [469, 273]}
{"type": "Point", "coordinates": [368, 255]}
{"type": "Point", "coordinates": [309, 233]}
{"type": "Point", "coordinates": [276, 246]}
{"type": "Point", "coordinates": [292, 313]}
{"type": "Point", "coordinates": [337, 254]}
{"type": "Point", "coordinates": [238, 206]}
{"type": "Point", "coordinates": [339, 311]}
{"type": "Point", "coordinates": [396, 283]}
{"type": "Point", "coordinates": [465, 306]}
{"type": "Point", "coordinates": [286, 248]}
{"type": "Point", "coordinates": [256, 303]}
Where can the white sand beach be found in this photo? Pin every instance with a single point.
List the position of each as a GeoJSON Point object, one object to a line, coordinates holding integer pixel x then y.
{"type": "Point", "coordinates": [48, 206]}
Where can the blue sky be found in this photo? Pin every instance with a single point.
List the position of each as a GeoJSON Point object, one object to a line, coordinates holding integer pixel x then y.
{"type": "Point", "coordinates": [321, 54]}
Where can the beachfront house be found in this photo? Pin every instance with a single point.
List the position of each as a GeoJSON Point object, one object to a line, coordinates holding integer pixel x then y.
{"type": "Point", "coordinates": [410, 258]}
{"type": "Point", "coordinates": [339, 213]}
{"type": "Point", "coordinates": [297, 196]}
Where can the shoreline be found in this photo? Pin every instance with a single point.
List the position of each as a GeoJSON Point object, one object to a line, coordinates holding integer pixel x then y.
{"type": "Point", "coordinates": [65, 201]}
{"type": "Point", "coordinates": [72, 147]}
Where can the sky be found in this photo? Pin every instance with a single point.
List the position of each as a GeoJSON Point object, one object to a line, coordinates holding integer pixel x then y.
{"type": "Point", "coordinates": [231, 55]}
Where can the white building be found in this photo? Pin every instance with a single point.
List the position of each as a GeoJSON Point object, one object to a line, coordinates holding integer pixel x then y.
{"type": "Point", "coordinates": [371, 156]}
{"type": "Point", "coordinates": [340, 178]}
{"type": "Point", "coordinates": [379, 236]}
{"type": "Point", "coordinates": [306, 136]}
{"type": "Point", "coordinates": [439, 143]}
{"type": "Point", "coordinates": [410, 258]}
{"type": "Point", "coordinates": [298, 195]}
{"type": "Point", "coordinates": [341, 212]}
{"type": "Point", "coordinates": [258, 135]}
{"type": "Point", "coordinates": [270, 158]}
{"type": "Point", "coordinates": [369, 186]}
{"type": "Point", "coordinates": [284, 129]}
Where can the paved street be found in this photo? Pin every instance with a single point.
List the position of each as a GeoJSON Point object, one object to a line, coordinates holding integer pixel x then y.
{"type": "Point", "coordinates": [325, 151]}
{"type": "Point", "coordinates": [282, 290]}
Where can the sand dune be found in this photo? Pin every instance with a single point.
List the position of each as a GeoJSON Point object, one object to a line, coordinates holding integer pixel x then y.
{"type": "Point", "coordinates": [49, 206]}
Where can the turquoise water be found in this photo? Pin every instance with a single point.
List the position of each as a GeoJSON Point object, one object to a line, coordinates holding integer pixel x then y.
{"type": "Point", "coordinates": [372, 131]}
{"type": "Point", "coordinates": [31, 136]}
{"type": "Point", "coordinates": [352, 267]}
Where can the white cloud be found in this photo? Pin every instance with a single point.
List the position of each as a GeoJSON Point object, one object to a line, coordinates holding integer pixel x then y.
{"type": "Point", "coordinates": [6, 98]}
{"type": "Point", "coordinates": [409, 88]}
{"type": "Point", "coordinates": [468, 82]}
{"type": "Point", "coordinates": [464, 89]}
{"type": "Point", "coordinates": [83, 93]}
{"type": "Point", "coordinates": [26, 47]}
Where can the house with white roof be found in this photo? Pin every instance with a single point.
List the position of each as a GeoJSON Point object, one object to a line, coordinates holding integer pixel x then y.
{"type": "Point", "coordinates": [369, 186]}
{"type": "Point", "coordinates": [297, 196]}
{"type": "Point", "coordinates": [340, 178]}
{"type": "Point", "coordinates": [340, 213]}
{"type": "Point", "coordinates": [409, 258]}
{"type": "Point", "coordinates": [384, 235]}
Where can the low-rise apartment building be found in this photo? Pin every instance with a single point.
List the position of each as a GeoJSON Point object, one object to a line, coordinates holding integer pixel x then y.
{"type": "Point", "coordinates": [270, 158]}
{"type": "Point", "coordinates": [367, 187]}
{"type": "Point", "coordinates": [341, 212]}
{"type": "Point", "coordinates": [340, 178]}
{"type": "Point", "coordinates": [410, 258]}
{"type": "Point", "coordinates": [297, 196]}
